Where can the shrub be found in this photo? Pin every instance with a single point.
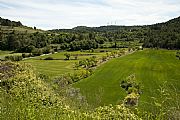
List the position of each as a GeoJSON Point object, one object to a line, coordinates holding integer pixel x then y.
{"type": "Point", "coordinates": [37, 52]}
{"type": "Point", "coordinates": [104, 58]}
{"type": "Point", "coordinates": [80, 74]}
{"type": "Point", "coordinates": [67, 55]}
{"type": "Point", "coordinates": [14, 58]}
{"type": "Point", "coordinates": [131, 99]}
{"type": "Point", "coordinates": [133, 89]}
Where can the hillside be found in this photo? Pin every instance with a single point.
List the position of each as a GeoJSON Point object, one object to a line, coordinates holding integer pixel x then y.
{"type": "Point", "coordinates": [8, 26]}
{"type": "Point", "coordinates": [152, 69]}
{"type": "Point", "coordinates": [109, 28]}
{"type": "Point", "coordinates": [164, 35]}
{"type": "Point", "coordinates": [90, 72]}
{"type": "Point", "coordinates": [6, 22]}
{"type": "Point", "coordinates": [160, 35]}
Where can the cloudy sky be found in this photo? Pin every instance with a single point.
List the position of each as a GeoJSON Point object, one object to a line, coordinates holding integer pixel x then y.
{"type": "Point", "coordinates": [51, 14]}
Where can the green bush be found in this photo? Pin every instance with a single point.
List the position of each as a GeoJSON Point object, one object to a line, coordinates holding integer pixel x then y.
{"type": "Point", "coordinates": [14, 58]}
{"type": "Point", "coordinates": [67, 55]}
{"type": "Point", "coordinates": [37, 52]}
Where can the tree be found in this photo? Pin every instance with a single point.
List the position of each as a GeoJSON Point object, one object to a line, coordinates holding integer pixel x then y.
{"type": "Point", "coordinates": [67, 55]}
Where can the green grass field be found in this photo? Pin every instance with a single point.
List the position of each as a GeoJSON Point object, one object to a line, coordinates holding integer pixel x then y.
{"type": "Point", "coordinates": [53, 68]}
{"type": "Point", "coordinates": [151, 67]}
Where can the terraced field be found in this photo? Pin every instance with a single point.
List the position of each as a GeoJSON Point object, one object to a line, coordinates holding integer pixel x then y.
{"type": "Point", "coordinates": [59, 66]}
{"type": "Point", "coordinates": [152, 69]}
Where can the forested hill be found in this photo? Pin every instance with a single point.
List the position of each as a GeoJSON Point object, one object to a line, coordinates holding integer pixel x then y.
{"type": "Point", "coordinates": [16, 37]}
{"type": "Point", "coordinates": [6, 22]}
{"type": "Point", "coordinates": [164, 35]}
{"type": "Point", "coordinates": [161, 35]}
{"type": "Point", "coordinates": [109, 28]}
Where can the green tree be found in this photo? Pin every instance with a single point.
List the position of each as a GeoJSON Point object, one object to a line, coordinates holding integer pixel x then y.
{"type": "Point", "coordinates": [67, 55]}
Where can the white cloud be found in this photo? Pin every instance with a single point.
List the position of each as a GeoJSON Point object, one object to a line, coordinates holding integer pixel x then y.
{"type": "Point", "coordinates": [49, 14]}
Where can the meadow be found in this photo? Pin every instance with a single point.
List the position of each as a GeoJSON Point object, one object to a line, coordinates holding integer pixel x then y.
{"type": "Point", "coordinates": [152, 68]}
{"type": "Point", "coordinates": [59, 66]}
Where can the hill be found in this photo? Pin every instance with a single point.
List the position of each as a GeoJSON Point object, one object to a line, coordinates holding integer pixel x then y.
{"type": "Point", "coordinates": [164, 35]}
{"type": "Point", "coordinates": [6, 22]}
{"type": "Point", "coordinates": [8, 26]}
{"type": "Point", "coordinates": [109, 28]}
{"type": "Point", "coordinates": [16, 37]}
{"type": "Point", "coordinates": [160, 35]}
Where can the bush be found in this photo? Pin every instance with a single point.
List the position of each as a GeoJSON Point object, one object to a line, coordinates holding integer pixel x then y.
{"type": "Point", "coordinates": [14, 58]}
{"type": "Point", "coordinates": [104, 58]}
{"type": "Point", "coordinates": [133, 89]}
{"type": "Point", "coordinates": [67, 55]}
{"type": "Point", "coordinates": [37, 52]}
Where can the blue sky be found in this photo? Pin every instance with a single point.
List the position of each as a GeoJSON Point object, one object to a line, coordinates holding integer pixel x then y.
{"type": "Point", "coordinates": [51, 14]}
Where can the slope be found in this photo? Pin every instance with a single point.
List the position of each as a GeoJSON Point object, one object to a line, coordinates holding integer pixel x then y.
{"type": "Point", "coordinates": [151, 67]}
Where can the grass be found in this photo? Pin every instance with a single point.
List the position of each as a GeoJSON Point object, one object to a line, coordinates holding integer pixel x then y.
{"type": "Point", "coordinates": [2, 53]}
{"type": "Point", "coordinates": [151, 67]}
{"type": "Point", "coordinates": [7, 53]}
{"type": "Point", "coordinates": [53, 68]}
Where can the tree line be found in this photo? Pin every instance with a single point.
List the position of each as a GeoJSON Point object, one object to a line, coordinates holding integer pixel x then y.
{"type": "Point", "coordinates": [163, 35]}
{"type": "Point", "coordinates": [6, 22]}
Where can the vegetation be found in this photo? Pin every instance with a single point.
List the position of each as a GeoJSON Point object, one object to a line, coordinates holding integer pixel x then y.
{"type": "Point", "coordinates": [14, 58]}
{"type": "Point", "coordinates": [164, 35]}
{"type": "Point", "coordinates": [27, 97]}
{"type": "Point", "coordinates": [69, 69]}
{"type": "Point", "coordinates": [151, 67]}
{"type": "Point", "coordinates": [6, 22]}
{"type": "Point", "coordinates": [59, 65]}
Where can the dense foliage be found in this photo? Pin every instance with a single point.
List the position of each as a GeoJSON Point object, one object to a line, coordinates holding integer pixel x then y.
{"type": "Point", "coordinates": [164, 35]}
{"type": "Point", "coordinates": [6, 22]}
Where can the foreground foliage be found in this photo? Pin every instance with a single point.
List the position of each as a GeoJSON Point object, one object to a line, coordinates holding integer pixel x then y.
{"type": "Point", "coordinates": [25, 96]}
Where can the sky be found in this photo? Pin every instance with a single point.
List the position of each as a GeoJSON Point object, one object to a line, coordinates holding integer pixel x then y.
{"type": "Point", "coordinates": [60, 14]}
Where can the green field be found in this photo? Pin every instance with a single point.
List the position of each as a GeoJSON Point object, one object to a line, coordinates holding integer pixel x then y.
{"type": "Point", "coordinates": [151, 67]}
{"type": "Point", "coordinates": [53, 68]}
{"type": "Point", "coordinates": [59, 66]}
